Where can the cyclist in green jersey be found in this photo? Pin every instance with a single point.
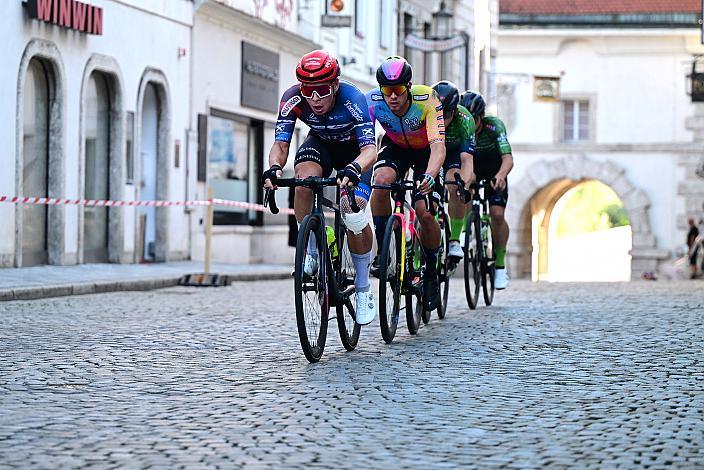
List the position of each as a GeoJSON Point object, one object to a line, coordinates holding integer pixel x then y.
{"type": "Point", "coordinates": [492, 160]}
{"type": "Point", "coordinates": [460, 148]}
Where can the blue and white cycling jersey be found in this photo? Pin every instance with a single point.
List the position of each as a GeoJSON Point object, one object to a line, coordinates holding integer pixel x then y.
{"type": "Point", "coordinates": [348, 121]}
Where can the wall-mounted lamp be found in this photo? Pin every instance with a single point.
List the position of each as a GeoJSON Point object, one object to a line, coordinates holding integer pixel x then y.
{"type": "Point", "coordinates": [695, 80]}
{"type": "Point", "coordinates": [348, 60]}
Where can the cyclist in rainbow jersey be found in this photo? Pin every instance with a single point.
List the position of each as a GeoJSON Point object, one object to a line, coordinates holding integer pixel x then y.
{"type": "Point", "coordinates": [412, 117]}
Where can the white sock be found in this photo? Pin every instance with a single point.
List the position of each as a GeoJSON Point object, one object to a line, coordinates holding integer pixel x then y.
{"type": "Point", "coordinates": [361, 265]}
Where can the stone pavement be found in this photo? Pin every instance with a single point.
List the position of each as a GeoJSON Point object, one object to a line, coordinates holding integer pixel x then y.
{"type": "Point", "coordinates": [56, 281]}
{"type": "Point", "coordinates": [551, 375]}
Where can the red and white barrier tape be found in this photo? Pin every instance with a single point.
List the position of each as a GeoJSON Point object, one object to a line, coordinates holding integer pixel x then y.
{"type": "Point", "coordinates": [51, 201]}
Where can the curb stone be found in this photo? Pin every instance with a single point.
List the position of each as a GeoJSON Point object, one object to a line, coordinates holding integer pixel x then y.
{"type": "Point", "coordinates": [83, 288]}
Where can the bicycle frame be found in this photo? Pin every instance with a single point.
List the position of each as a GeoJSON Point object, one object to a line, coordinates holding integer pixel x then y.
{"type": "Point", "coordinates": [317, 185]}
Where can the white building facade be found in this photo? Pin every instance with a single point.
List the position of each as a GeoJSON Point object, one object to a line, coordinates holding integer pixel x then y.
{"type": "Point", "coordinates": [92, 109]}
{"type": "Point", "coordinates": [623, 118]}
{"type": "Point", "coordinates": [473, 24]}
{"type": "Point", "coordinates": [245, 56]}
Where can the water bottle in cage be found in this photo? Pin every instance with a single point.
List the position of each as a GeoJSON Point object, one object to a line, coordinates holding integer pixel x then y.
{"type": "Point", "coordinates": [332, 241]}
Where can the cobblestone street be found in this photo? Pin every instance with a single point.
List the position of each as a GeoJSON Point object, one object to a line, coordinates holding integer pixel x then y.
{"type": "Point", "coordinates": [559, 375]}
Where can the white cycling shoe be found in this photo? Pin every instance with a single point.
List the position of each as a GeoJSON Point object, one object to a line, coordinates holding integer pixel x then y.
{"type": "Point", "coordinates": [310, 264]}
{"type": "Point", "coordinates": [501, 279]}
{"type": "Point", "coordinates": [365, 308]}
{"type": "Point", "coordinates": [455, 250]}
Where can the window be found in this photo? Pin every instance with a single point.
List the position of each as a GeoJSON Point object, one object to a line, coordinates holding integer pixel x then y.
{"type": "Point", "coordinates": [385, 20]}
{"type": "Point", "coordinates": [359, 18]}
{"type": "Point", "coordinates": [575, 121]}
{"type": "Point", "coordinates": [234, 155]}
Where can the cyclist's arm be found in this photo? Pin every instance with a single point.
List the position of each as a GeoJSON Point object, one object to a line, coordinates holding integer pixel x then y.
{"type": "Point", "coordinates": [279, 153]}
{"type": "Point", "coordinates": [435, 127]}
{"type": "Point", "coordinates": [506, 165]}
{"type": "Point", "coordinates": [437, 158]}
{"type": "Point", "coordinates": [504, 170]}
{"type": "Point", "coordinates": [367, 157]}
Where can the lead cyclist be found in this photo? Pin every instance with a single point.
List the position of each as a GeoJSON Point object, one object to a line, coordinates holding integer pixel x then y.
{"type": "Point", "coordinates": [341, 137]}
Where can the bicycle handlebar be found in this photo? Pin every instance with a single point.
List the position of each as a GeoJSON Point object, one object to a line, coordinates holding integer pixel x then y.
{"type": "Point", "coordinates": [309, 182]}
{"type": "Point", "coordinates": [406, 185]}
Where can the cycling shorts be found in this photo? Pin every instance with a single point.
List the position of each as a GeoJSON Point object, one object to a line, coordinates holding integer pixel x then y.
{"type": "Point", "coordinates": [331, 156]}
{"type": "Point", "coordinates": [403, 159]}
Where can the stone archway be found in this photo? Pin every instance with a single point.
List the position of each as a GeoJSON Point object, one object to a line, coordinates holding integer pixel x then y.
{"type": "Point", "coordinates": [109, 67]}
{"type": "Point", "coordinates": [158, 80]}
{"type": "Point", "coordinates": [575, 169]}
{"type": "Point", "coordinates": [49, 54]}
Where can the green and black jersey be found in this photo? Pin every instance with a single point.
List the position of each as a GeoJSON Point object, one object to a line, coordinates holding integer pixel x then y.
{"type": "Point", "coordinates": [459, 135]}
{"type": "Point", "coordinates": [492, 143]}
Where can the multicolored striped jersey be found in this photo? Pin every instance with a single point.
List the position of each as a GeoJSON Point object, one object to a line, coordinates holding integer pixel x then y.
{"type": "Point", "coordinates": [422, 124]}
{"type": "Point", "coordinates": [459, 134]}
{"type": "Point", "coordinates": [347, 121]}
{"type": "Point", "coordinates": [492, 143]}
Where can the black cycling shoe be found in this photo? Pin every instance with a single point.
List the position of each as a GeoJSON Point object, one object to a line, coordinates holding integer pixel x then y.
{"type": "Point", "coordinates": [374, 268]}
{"type": "Point", "coordinates": [431, 291]}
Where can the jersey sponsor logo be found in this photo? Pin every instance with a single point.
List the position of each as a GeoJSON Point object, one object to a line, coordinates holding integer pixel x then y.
{"type": "Point", "coordinates": [290, 104]}
{"type": "Point", "coordinates": [377, 98]}
{"type": "Point", "coordinates": [368, 133]}
{"type": "Point", "coordinates": [354, 110]}
{"type": "Point", "coordinates": [280, 128]}
{"type": "Point", "coordinates": [413, 123]}
{"type": "Point", "coordinates": [422, 98]}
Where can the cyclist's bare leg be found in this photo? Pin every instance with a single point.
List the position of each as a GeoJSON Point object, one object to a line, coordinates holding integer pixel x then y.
{"type": "Point", "coordinates": [303, 199]}
{"type": "Point", "coordinates": [381, 202]}
{"type": "Point", "coordinates": [429, 227]}
{"type": "Point", "coordinates": [361, 243]}
{"type": "Point", "coordinates": [499, 226]}
{"type": "Point", "coordinates": [457, 209]}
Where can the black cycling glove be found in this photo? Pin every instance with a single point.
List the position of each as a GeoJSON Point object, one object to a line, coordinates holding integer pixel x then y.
{"type": "Point", "coordinates": [270, 174]}
{"type": "Point", "coordinates": [353, 172]}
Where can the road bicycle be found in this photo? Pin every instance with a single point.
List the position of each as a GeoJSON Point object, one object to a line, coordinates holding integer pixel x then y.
{"type": "Point", "coordinates": [332, 282]}
{"type": "Point", "coordinates": [401, 264]}
{"type": "Point", "coordinates": [479, 256]}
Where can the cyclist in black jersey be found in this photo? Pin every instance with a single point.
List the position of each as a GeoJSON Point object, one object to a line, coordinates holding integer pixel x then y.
{"type": "Point", "coordinates": [493, 159]}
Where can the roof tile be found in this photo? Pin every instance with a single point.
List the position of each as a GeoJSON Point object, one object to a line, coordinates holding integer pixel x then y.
{"type": "Point", "coordinates": [595, 7]}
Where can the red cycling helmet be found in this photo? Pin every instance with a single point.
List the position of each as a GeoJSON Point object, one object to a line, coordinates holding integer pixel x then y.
{"type": "Point", "coordinates": [316, 67]}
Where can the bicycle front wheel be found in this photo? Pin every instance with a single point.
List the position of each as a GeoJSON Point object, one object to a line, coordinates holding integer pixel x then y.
{"type": "Point", "coordinates": [414, 287]}
{"type": "Point", "coordinates": [472, 274]}
{"type": "Point", "coordinates": [345, 272]}
{"type": "Point", "coordinates": [444, 265]}
{"type": "Point", "coordinates": [488, 265]}
{"type": "Point", "coordinates": [390, 299]}
{"type": "Point", "coordinates": [311, 289]}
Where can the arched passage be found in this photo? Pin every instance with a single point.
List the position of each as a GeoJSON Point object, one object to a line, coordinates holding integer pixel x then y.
{"type": "Point", "coordinates": [102, 131]}
{"type": "Point", "coordinates": [153, 140]}
{"type": "Point", "coordinates": [579, 233]}
{"type": "Point", "coordinates": [39, 231]}
{"type": "Point", "coordinates": [543, 185]}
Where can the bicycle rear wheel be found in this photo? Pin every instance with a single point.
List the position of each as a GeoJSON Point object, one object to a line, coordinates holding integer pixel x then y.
{"type": "Point", "coordinates": [414, 287]}
{"type": "Point", "coordinates": [472, 272]}
{"type": "Point", "coordinates": [444, 265]}
{"type": "Point", "coordinates": [390, 298]}
{"type": "Point", "coordinates": [488, 266]}
{"type": "Point", "coordinates": [311, 294]}
{"type": "Point", "coordinates": [345, 273]}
